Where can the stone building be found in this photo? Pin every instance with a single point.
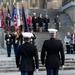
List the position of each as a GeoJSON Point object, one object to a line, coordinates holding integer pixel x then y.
{"type": "Point", "coordinates": [68, 6]}
{"type": "Point", "coordinates": [36, 4]}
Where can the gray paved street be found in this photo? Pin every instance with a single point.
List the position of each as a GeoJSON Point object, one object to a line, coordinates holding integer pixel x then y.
{"type": "Point", "coordinates": [62, 72]}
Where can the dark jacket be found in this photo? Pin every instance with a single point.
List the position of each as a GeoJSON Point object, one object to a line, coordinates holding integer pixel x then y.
{"type": "Point", "coordinates": [52, 48]}
{"type": "Point", "coordinates": [15, 39]}
{"type": "Point", "coordinates": [8, 39]}
{"type": "Point", "coordinates": [34, 20]}
{"type": "Point", "coordinates": [24, 57]}
{"type": "Point", "coordinates": [57, 20]}
{"type": "Point", "coordinates": [40, 21]}
{"type": "Point", "coordinates": [8, 21]}
{"type": "Point", "coordinates": [46, 20]}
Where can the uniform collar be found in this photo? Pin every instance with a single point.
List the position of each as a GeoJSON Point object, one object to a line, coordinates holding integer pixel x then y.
{"type": "Point", "coordinates": [52, 38]}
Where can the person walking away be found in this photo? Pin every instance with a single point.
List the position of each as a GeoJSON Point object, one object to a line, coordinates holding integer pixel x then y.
{"type": "Point", "coordinates": [26, 55]}
{"type": "Point", "coordinates": [67, 42]}
{"type": "Point", "coordinates": [52, 54]}
{"type": "Point", "coordinates": [34, 22]}
{"type": "Point", "coordinates": [46, 21]}
{"type": "Point", "coordinates": [8, 43]}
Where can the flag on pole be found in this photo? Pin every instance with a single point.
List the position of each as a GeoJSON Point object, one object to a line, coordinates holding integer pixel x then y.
{"type": "Point", "coordinates": [18, 15]}
{"type": "Point", "coordinates": [15, 18]}
{"type": "Point", "coordinates": [24, 19]}
{"type": "Point", "coordinates": [13, 12]}
{"type": "Point", "coordinates": [2, 18]}
{"type": "Point", "coordinates": [8, 10]}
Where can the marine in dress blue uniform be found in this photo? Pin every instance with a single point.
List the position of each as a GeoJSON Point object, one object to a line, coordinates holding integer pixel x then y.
{"type": "Point", "coordinates": [26, 55]}
{"type": "Point", "coordinates": [53, 51]}
{"type": "Point", "coordinates": [8, 43]}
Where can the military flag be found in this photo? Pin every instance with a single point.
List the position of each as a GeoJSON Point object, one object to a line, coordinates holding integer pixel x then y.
{"type": "Point", "coordinates": [24, 19]}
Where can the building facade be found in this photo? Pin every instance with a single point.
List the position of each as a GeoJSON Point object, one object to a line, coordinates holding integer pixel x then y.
{"type": "Point", "coordinates": [66, 5]}
{"type": "Point", "coordinates": [35, 4]}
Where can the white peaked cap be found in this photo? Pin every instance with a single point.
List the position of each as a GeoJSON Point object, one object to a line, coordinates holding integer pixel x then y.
{"type": "Point", "coordinates": [27, 34]}
{"type": "Point", "coordinates": [52, 30]}
{"type": "Point", "coordinates": [34, 13]}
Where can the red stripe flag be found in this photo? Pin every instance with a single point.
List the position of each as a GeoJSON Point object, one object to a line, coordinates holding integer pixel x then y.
{"type": "Point", "coordinates": [2, 18]}
{"type": "Point", "coordinates": [15, 18]}
{"type": "Point", "coordinates": [16, 23]}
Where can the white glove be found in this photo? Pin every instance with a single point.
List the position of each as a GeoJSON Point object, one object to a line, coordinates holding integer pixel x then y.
{"type": "Point", "coordinates": [62, 67]}
{"type": "Point", "coordinates": [59, 23]}
{"type": "Point", "coordinates": [8, 39]}
{"type": "Point", "coordinates": [36, 70]}
{"type": "Point", "coordinates": [23, 42]}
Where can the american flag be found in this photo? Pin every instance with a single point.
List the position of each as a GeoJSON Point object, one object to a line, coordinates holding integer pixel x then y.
{"type": "Point", "coordinates": [15, 18]}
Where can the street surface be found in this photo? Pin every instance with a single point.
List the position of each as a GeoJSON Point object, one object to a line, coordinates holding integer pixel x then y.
{"type": "Point", "coordinates": [62, 72]}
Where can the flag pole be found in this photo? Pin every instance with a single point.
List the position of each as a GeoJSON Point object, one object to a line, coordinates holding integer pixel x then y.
{"type": "Point", "coordinates": [18, 15]}
{"type": "Point", "coordinates": [14, 12]}
{"type": "Point", "coordinates": [22, 19]}
{"type": "Point", "coordinates": [26, 27]}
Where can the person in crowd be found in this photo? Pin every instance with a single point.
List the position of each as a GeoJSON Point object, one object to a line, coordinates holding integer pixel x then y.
{"type": "Point", "coordinates": [28, 20]}
{"type": "Point", "coordinates": [33, 38]}
{"type": "Point", "coordinates": [8, 43]}
{"type": "Point", "coordinates": [73, 40]}
{"type": "Point", "coordinates": [40, 22]}
{"type": "Point", "coordinates": [26, 55]}
{"type": "Point", "coordinates": [52, 54]}
{"type": "Point", "coordinates": [34, 22]}
{"type": "Point", "coordinates": [57, 22]}
{"type": "Point", "coordinates": [8, 20]}
{"type": "Point", "coordinates": [46, 21]}
{"type": "Point", "coordinates": [67, 42]}
{"type": "Point", "coordinates": [15, 42]}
